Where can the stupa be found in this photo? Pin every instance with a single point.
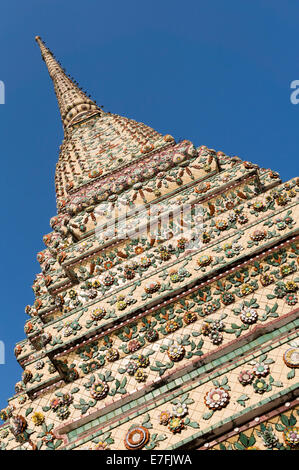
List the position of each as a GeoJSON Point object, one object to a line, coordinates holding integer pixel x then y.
{"type": "Point", "coordinates": [166, 309]}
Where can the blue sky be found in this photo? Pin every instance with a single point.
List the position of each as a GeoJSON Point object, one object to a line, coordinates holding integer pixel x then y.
{"type": "Point", "coordinates": [215, 72]}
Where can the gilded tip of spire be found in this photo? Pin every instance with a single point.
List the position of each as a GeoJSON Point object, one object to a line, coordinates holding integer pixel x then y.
{"type": "Point", "coordinates": [37, 38]}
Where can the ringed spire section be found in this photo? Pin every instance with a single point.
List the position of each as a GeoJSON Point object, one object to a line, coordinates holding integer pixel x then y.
{"type": "Point", "coordinates": [73, 103]}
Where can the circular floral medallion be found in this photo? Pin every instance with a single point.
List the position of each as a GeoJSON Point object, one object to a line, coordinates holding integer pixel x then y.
{"type": "Point", "coordinates": [175, 424]}
{"type": "Point", "coordinates": [174, 276]}
{"type": "Point", "coordinates": [171, 326]}
{"type": "Point", "coordinates": [129, 272]}
{"type": "Point", "coordinates": [63, 412]}
{"type": "Point", "coordinates": [258, 206]}
{"type": "Point", "coordinates": [229, 252]}
{"type": "Point", "coordinates": [72, 294]}
{"type": "Point", "coordinates": [286, 269]}
{"type": "Point", "coordinates": [145, 261]}
{"type": "Point", "coordinates": [67, 330]}
{"type": "Point", "coordinates": [67, 398]}
{"type": "Point", "coordinates": [266, 279]}
{"type": "Point", "coordinates": [291, 299]}
{"type": "Point", "coordinates": [282, 200]}
{"type": "Point", "coordinates": [98, 313]}
{"type": "Point", "coordinates": [136, 438]}
{"type": "Point", "coordinates": [216, 398]}
{"type": "Point", "coordinates": [96, 284]}
{"type": "Point", "coordinates": [134, 345]}
{"type": "Point", "coordinates": [221, 224]}
{"type": "Point", "coordinates": [55, 404]}
{"type": "Point", "coordinates": [189, 317]}
{"type": "Point", "coordinates": [204, 260]}
{"type": "Point", "coordinates": [108, 280]}
{"type": "Point", "coordinates": [152, 287]}
{"type": "Point", "coordinates": [291, 286]}
{"type": "Point", "coordinates": [291, 357]}
{"type": "Point", "coordinates": [179, 410]}
{"type": "Point", "coordinates": [112, 355]}
{"type": "Point", "coordinates": [227, 298]}
{"type": "Point", "coordinates": [108, 265]}
{"type": "Point", "coordinates": [131, 367]}
{"type": "Point", "coordinates": [261, 369]}
{"type": "Point", "coordinates": [121, 304]}
{"type": "Point", "coordinates": [246, 377]}
{"type": "Point", "coordinates": [205, 237]}
{"type": "Point", "coordinates": [280, 291]}
{"type": "Point", "coordinates": [92, 293]}
{"type": "Point", "coordinates": [217, 325]}
{"type": "Point", "coordinates": [165, 255]}
{"type": "Point", "coordinates": [280, 224]}
{"type": "Point", "coordinates": [151, 335]}
{"type": "Point", "coordinates": [176, 352]}
{"type": "Point", "coordinates": [99, 390]}
{"type": "Point", "coordinates": [260, 386]}
{"type": "Point", "coordinates": [143, 361]}
{"type": "Point", "coordinates": [39, 365]}
{"type": "Point", "coordinates": [248, 315]}
{"type": "Point", "coordinates": [38, 419]}
{"type": "Point", "coordinates": [164, 417]}
{"type": "Point", "coordinates": [210, 307]}
{"type": "Point", "coordinates": [216, 337]}
{"type": "Point", "coordinates": [258, 235]}
{"type": "Point", "coordinates": [140, 375]}
{"type": "Point", "coordinates": [6, 413]}
{"type": "Point", "coordinates": [242, 219]}
{"type": "Point", "coordinates": [246, 289]}
{"type": "Point", "coordinates": [291, 436]}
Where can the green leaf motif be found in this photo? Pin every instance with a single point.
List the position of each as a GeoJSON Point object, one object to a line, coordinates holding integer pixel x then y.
{"type": "Point", "coordinates": [208, 415]}
{"type": "Point", "coordinates": [241, 400]}
{"type": "Point", "coordinates": [285, 420]}
{"type": "Point", "coordinates": [28, 411]}
{"type": "Point", "coordinates": [243, 439]}
{"type": "Point", "coordinates": [291, 374]}
{"type": "Point", "coordinates": [239, 446]}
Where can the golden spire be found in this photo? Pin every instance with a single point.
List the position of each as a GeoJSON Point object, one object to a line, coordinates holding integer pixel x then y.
{"type": "Point", "coordinates": [73, 103]}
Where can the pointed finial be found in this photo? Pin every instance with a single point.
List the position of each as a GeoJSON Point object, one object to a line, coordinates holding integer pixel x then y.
{"type": "Point", "coordinates": [72, 102]}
